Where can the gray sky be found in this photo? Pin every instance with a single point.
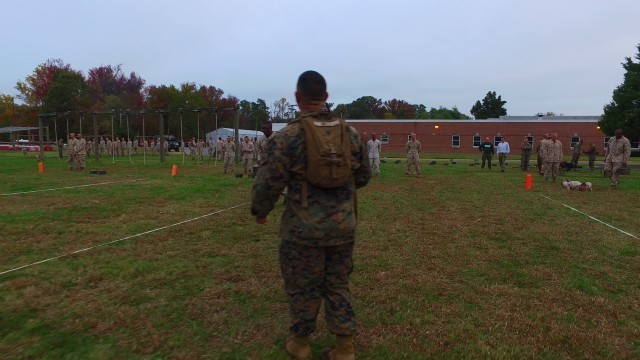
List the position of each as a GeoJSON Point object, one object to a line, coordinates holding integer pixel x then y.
{"type": "Point", "coordinates": [561, 56]}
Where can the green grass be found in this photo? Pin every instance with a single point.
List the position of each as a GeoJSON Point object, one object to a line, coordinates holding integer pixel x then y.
{"type": "Point", "coordinates": [459, 263]}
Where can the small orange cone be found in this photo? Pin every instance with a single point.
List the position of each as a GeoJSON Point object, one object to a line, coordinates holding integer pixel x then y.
{"type": "Point", "coordinates": [174, 170]}
{"type": "Point", "coordinates": [529, 183]}
{"type": "Point", "coordinates": [40, 167]}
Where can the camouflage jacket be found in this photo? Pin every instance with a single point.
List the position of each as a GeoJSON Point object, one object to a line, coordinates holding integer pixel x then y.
{"type": "Point", "coordinates": [313, 216]}
{"type": "Point", "coordinates": [553, 151]}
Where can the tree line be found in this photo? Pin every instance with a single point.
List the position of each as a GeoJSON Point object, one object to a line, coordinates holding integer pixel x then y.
{"type": "Point", "coordinates": [55, 87]}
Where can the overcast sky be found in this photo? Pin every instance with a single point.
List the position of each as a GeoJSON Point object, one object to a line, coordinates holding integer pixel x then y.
{"type": "Point", "coordinates": [563, 55]}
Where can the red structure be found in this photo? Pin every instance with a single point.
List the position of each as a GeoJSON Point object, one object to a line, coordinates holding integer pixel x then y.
{"type": "Point", "coordinates": [464, 136]}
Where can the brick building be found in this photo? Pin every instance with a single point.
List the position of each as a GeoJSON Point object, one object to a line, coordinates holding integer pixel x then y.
{"type": "Point", "coordinates": [464, 136]}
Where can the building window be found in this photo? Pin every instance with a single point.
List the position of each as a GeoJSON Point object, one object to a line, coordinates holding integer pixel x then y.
{"type": "Point", "coordinates": [530, 140]}
{"type": "Point", "coordinates": [477, 140]}
{"type": "Point", "coordinates": [409, 137]}
{"type": "Point", "coordinates": [574, 141]}
{"type": "Point", "coordinates": [496, 140]}
{"type": "Point", "coordinates": [606, 141]}
{"type": "Point", "coordinates": [455, 141]}
{"type": "Point", "coordinates": [384, 138]}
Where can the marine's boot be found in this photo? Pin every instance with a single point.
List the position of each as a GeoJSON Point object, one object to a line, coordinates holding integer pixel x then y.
{"type": "Point", "coordinates": [343, 351]}
{"type": "Point", "coordinates": [298, 347]}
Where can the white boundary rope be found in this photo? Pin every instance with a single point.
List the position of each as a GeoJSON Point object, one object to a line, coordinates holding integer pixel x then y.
{"type": "Point", "coordinates": [119, 240]}
{"type": "Point", "coordinates": [591, 217]}
{"type": "Point", "coordinates": [69, 187]}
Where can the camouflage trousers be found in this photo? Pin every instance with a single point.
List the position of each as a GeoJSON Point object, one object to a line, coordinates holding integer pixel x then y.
{"type": "Point", "coordinates": [229, 162]}
{"type": "Point", "coordinates": [80, 160]}
{"type": "Point", "coordinates": [413, 161]}
{"type": "Point", "coordinates": [611, 170]}
{"type": "Point", "coordinates": [247, 163]}
{"type": "Point", "coordinates": [312, 274]}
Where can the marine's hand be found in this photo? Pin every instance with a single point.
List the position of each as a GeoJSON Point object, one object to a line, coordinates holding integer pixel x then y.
{"type": "Point", "coordinates": [261, 220]}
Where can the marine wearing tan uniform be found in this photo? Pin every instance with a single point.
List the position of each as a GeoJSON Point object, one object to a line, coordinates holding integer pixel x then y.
{"type": "Point", "coordinates": [229, 154]}
{"type": "Point", "coordinates": [413, 148]}
{"type": "Point", "coordinates": [71, 151]}
{"type": "Point", "coordinates": [81, 152]}
{"type": "Point", "coordinates": [552, 156]}
{"type": "Point", "coordinates": [247, 155]}
{"type": "Point", "coordinates": [618, 152]}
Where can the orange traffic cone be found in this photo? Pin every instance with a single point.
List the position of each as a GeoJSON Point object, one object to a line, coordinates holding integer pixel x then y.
{"type": "Point", "coordinates": [529, 182]}
{"type": "Point", "coordinates": [174, 170]}
{"type": "Point", "coordinates": [40, 167]}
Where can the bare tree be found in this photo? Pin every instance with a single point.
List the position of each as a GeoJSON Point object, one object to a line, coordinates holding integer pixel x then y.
{"type": "Point", "coordinates": [279, 109]}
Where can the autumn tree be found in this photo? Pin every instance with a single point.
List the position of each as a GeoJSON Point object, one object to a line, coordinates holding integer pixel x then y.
{"type": "Point", "coordinates": [492, 106]}
{"type": "Point", "coordinates": [109, 81]}
{"type": "Point", "coordinates": [623, 112]}
{"type": "Point", "coordinates": [35, 87]}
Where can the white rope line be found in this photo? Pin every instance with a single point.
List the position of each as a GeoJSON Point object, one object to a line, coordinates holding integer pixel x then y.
{"type": "Point", "coordinates": [123, 239]}
{"type": "Point", "coordinates": [591, 217]}
{"type": "Point", "coordinates": [69, 187]}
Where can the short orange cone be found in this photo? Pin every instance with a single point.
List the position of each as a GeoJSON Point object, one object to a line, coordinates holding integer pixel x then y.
{"type": "Point", "coordinates": [529, 183]}
{"type": "Point", "coordinates": [174, 170]}
{"type": "Point", "coordinates": [40, 167]}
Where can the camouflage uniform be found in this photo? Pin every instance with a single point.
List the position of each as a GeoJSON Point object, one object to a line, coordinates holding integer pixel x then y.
{"type": "Point", "coordinates": [592, 153]}
{"type": "Point", "coordinates": [413, 156]}
{"type": "Point", "coordinates": [219, 149]}
{"type": "Point", "coordinates": [553, 158]}
{"type": "Point", "coordinates": [525, 155]}
{"type": "Point", "coordinates": [229, 155]}
{"type": "Point", "coordinates": [618, 152]}
{"type": "Point", "coordinates": [317, 229]}
{"type": "Point", "coordinates": [81, 153]}
{"type": "Point", "coordinates": [374, 147]}
{"type": "Point", "coordinates": [247, 156]}
{"type": "Point", "coordinates": [575, 154]}
{"type": "Point", "coordinates": [262, 149]}
{"type": "Point", "coordinates": [71, 151]}
{"type": "Point", "coordinates": [540, 153]}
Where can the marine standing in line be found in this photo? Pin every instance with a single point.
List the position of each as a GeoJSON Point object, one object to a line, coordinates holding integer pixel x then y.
{"type": "Point", "coordinates": [487, 150]}
{"type": "Point", "coordinates": [135, 146]}
{"type": "Point", "coordinates": [413, 148]}
{"type": "Point", "coordinates": [71, 151]}
{"type": "Point", "coordinates": [540, 153]}
{"type": "Point", "coordinates": [525, 154]}
{"type": "Point", "coordinates": [317, 229]}
{"type": "Point", "coordinates": [247, 155]}
{"type": "Point", "coordinates": [374, 146]}
{"type": "Point", "coordinates": [81, 151]}
{"type": "Point", "coordinates": [103, 146]}
{"type": "Point", "coordinates": [229, 154]}
{"type": "Point", "coordinates": [123, 146]}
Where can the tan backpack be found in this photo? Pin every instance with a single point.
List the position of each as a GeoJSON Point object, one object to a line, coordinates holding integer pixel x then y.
{"type": "Point", "coordinates": [328, 151]}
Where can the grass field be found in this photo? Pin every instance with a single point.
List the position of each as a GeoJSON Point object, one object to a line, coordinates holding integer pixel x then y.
{"type": "Point", "coordinates": [459, 263]}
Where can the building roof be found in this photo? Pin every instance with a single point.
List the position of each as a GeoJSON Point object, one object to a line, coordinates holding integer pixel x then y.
{"type": "Point", "coordinates": [502, 119]}
{"type": "Point", "coordinates": [11, 129]}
